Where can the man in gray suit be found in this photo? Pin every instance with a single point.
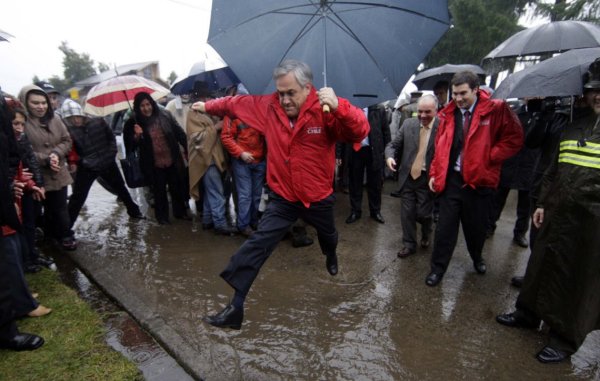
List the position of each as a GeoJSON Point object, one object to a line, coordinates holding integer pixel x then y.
{"type": "Point", "coordinates": [414, 145]}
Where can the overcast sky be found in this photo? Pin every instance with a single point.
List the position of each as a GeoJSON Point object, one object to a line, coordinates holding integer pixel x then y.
{"type": "Point", "coordinates": [110, 31]}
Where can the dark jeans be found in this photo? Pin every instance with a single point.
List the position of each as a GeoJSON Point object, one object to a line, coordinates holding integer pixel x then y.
{"type": "Point", "coordinates": [460, 205]}
{"type": "Point", "coordinates": [30, 210]}
{"type": "Point", "coordinates": [280, 214]}
{"type": "Point", "coordinates": [83, 182]}
{"type": "Point", "coordinates": [56, 216]}
{"type": "Point", "coordinates": [22, 301]}
{"type": "Point", "coordinates": [360, 162]}
{"type": "Point", "coordinates": [8, 328]}
{"type": "Point", "coordinates": [164, 177]}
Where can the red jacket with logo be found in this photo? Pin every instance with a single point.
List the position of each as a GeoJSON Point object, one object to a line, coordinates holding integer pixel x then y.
{"type": "Point", "coordinates": [495, 134]}
{"type": "Point", "coordinates": [301, 160]}
{"type": "Point", "coordinates": [238, 138]}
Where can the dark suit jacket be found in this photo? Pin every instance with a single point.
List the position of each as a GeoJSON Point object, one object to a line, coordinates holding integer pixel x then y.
{"type": "Point", "coordinates": [406, 145]}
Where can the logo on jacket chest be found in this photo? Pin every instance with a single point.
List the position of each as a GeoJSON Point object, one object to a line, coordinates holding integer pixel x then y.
{"type": "Point", "coordinates": [314, 130]}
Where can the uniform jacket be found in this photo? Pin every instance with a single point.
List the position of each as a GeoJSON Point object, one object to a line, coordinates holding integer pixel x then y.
{"type": "Point", "coordinates": [238, 137]}
{"type": "Point", "coordinates": [495, 134]}
{"type": "Point", "coordinates": [406, 145]}
{"type": "Point", "coordinates": [48, 136]}
{"type": "Point", "coordinates": [301, 160]}
{"type": "Point", "coordinates": [561, 283]}
{"type": "Point", "coordinates": [379, 136]}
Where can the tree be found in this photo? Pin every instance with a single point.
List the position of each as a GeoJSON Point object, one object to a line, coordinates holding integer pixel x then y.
{"type": "Point", "coordinates": [478, 27]}
{"type": "Point", "coordinates": [584, 10]}
{"type": "Point", "coordinates": [76, 66]}
{"type": "Point", "coordinates": [102, 67]}
{"type": "Point", "coordinates": [172, 77]}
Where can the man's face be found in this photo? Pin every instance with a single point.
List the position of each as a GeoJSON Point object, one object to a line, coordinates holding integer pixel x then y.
{"type": "Point", "coordinates": [146, 108]}
{"type": "Point", "coordinates": [54, 100]}
{"type": "Point", "coordinates": [291, 95]}
{"type": "Point", "coordinates": [592, 98]}
{"type": "Point", "coordinates": [426, 111]}
{"type": "Point", "coordinates": [463, 95]}
{"type": "Point", "coordinates": [441, 93]}
{"type": "Point", "coordinates": [76, 120]}
{"type": "Point", "coordinates": [37, 105]}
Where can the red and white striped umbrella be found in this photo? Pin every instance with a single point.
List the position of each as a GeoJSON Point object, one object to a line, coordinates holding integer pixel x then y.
{"type": "Point", "coordinates": [117, 94]}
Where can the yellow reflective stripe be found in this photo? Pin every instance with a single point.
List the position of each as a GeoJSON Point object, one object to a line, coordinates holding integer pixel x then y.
{"type": "Point", "coordinates": [593, 148]}
{"type": "Point", "coordinates": [580, 160]}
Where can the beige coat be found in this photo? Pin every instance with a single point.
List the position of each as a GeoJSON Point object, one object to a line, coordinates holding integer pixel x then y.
{"type": "Point", "coordinates": [204, 148]}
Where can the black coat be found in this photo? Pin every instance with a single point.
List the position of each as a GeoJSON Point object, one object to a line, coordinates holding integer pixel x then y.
{"type": "Point", "coordinates": [95, 144]}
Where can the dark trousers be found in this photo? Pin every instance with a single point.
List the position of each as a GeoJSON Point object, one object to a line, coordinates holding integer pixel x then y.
{"type": "Point", "coordinates": [56, 216]}
{"type": "Point", "coordinates": [360, 162]}
{"type": "Point", "coordinates": [30, 211]}
{"type": "Point", "coordinates": [417, 206]}
{"type": "Point", "coordinates": [279, 216]}
{"type": "Point", "coordinates": [22, 301]}
{"type": "Point", "coordinates": [460, 205]}
{"type": "Point", "coordinates": [8, 328]}
{"type": "Point", "coordinates": [164, 177]}
{"type": "Point", "coordinates": [83, 182]}
{"type": "Point", "coordinates": [523, 201]}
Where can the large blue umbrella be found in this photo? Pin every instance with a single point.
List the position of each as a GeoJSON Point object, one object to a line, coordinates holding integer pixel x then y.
{"type": "Point", "coordinates": [365, 50]}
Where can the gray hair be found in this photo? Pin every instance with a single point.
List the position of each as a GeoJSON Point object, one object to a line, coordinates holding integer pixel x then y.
{"type": "Point", "coordinates": [430, 97]}
{"type": "Point", "coordinates": [301, 71]}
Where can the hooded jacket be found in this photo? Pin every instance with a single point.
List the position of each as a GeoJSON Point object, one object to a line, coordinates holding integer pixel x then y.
{"type": "Point", "coordinates": [48, 135]}
{"type": "Point", "coordinates": [301, 160]}
{"type": "Point", "coordinates": [495, 134]}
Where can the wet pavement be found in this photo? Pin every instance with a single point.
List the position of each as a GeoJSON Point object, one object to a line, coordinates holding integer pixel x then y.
{"type": "Point", "coordinates": [376, 320]}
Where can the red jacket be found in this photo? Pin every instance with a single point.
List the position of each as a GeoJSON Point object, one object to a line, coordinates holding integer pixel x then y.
{"type": "Point", "coordinates": [237, 138]}
{"type": "Point", "coordinates": [495, 135]}
{"type": "Point", "coordinates": [7, 230]}
{"type": "Point", "coordinates": [301, 160]}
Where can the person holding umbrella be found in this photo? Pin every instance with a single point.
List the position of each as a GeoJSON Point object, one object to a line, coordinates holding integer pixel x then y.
{"type": "Point", "coordinates": [561, 281]}
{"type": "Point", "coordinates": [300, 169]}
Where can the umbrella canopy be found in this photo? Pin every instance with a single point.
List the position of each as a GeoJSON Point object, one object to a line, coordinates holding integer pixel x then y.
{"type": "Point", "coordinates": [553, 37]}
{"type": "Point", "coordinates": [117, 94]}
{"type": "Point", "coordinates": [365, 50]}
{"type": "Point", "coordinates": [211, 69]}
{"type": "Point", "coordinates": [427, 79]}
{"type": "Point", "coordinates": [559, 76]}
{"type": "Point", "coordinates": [4, 36]}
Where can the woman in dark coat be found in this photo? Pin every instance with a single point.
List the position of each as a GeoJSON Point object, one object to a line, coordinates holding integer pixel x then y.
{"type": "Point", "coordinates": [158, 137]}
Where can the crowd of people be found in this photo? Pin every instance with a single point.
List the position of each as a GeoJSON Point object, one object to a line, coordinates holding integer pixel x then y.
{"type": "Point", "coordinates": [454, 158]}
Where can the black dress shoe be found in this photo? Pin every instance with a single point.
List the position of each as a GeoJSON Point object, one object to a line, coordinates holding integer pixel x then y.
{"type": "Point", "coordinates": [424, 243]}
{"type": "Point", "coordinates": [396, 194]}
{"type": "Point", "coordinates": [226, 230]}
{"type": "Point", "coordinates": [520, 240]}
{"type": "Point", "coordinates": [517, 281]}
{"type": "Point", "coordinates": [353, 217]}
{"type": "Point", "coordinates": [208, 226]}
{"type": "Point", "coordinates": [480, 267]}
{"type": "Point", "coordinates": [517, 320]}
{"type": "Point", "coordinates": [163, 222]}
{"type": "Point", "coordinates": [302, 241]}
{"type": "Point", "coordinates": [405, 252]}
{"type": "Point", "coordinates": [433, 279]}
{"type": "Point", "coordinates": [378, 217]}
{"type": "Point", "coordinates": [331, 264]}
{"type": "Point", "coordinates": [549, 355]}
{"type": "Point", "coordinates": [23, 342]}
{"type": "Point", "coordinates": [229, 317]}
{"type": "Point", "coordinates": [31, 268]}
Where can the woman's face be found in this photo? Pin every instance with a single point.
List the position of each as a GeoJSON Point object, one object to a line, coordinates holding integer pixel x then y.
{"type": "Point", "coordinates": [37, 105]}
{"type": "Point", "coordinates": [18, 124]}
{"type": "Point", "coordinates": [146, 108]}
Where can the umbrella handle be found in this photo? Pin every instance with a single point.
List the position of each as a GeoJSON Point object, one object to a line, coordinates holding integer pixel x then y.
{"type": "Point", "coordinates": [326, 109]}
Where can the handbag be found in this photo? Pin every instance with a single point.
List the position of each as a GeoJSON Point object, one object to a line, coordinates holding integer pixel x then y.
{"type": "Point", "coordinates": [133, 171]}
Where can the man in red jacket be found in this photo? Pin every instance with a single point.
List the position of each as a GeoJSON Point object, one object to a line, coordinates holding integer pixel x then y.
{"type": "Point", "coordinates": [476, 134]}
{"type": "Point", "coordinates": [300, 168]}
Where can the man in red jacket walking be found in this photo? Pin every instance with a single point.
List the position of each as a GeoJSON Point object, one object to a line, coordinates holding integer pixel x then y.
{"type": "Point", "coordinates": [476, 134]}
{"type": "Point", "coordinates": [300, 168]}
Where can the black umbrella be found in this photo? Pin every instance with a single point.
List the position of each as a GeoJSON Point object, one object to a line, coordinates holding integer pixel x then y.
{"type": "Point", "coordinates": [559, 76]}
{"type": "Point", "coordinates": [427, 79]}
{"type": "Point", "coordinates": [553, 37]}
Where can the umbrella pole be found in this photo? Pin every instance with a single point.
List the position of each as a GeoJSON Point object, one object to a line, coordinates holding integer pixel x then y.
{"type": "Point", "coordinates": [323, 4]}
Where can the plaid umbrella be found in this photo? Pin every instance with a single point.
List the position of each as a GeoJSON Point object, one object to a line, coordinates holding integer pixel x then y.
{"type": "Point", "coordinates": [117, 94]}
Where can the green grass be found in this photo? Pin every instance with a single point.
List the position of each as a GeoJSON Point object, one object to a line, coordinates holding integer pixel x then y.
{"type": "Point", "coordinates": [75, 348]}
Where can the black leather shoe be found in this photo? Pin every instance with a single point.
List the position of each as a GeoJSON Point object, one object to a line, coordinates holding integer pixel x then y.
{"type": "Point", "coordinates": [378, 217]}
{"type": "Point", "coordinates": [517, 320]}
{"type": "Point", "coordinates": [424, 243]}
{"type": "Point", "coordinates": [549, 355]}
{"type": "Point", "coordinates": [32, 268]}
{"type": "Point", "coordinates": [208, 226]}
{"type": "Point", "coordinates": [521, 240]}
{"type": "Point", "coordinates": [353, 217]}
{"type": "Point", "coordinates": [332, 264]}
{"type": "Point", "coordinates": [229, 317]}
{"type": "Point", "coordinates": [226, 230]}
{"type": "Point", "coordinates": [405, 252]}
{"type": "Point", "coordinates": [396, 194]}
{"type": "Point", "coordinates": [480, 267]}
{"type": "Point", "coordinates": [23, 342]}
{"type": "Point", "coordinates": [433, 279]}
{"type": "Point", "coordinates": [301, 241]}
{"type": "Point", "coordinates": [517, 281]}
{"type": "Point", "coordinates": [137, 215]}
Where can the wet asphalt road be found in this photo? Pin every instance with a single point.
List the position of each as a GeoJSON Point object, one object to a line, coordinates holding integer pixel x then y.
{"type": "Point", "coordinates": [376, 320]}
